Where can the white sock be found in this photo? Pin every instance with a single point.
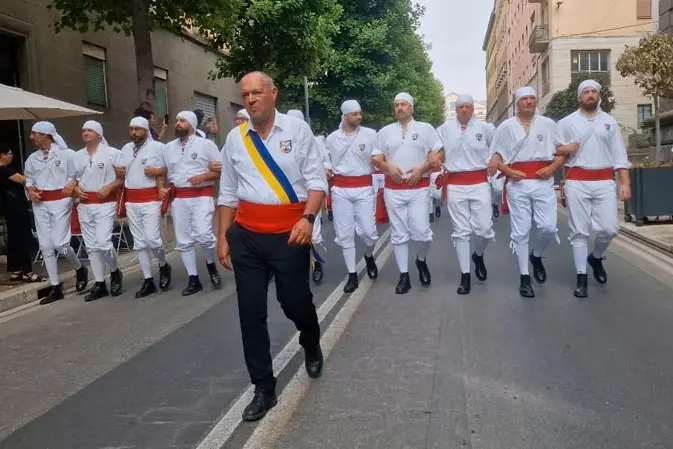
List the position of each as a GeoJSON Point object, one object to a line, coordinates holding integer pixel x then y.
{"type": "Point", "coordinates": [210, 255]}
{"type": "Point", "coordinates": [189, 260]}
{"type": "Point", "coordinates": [401, 252]}
{"type": "Point", "coordinates": [349, 258]}
{"type": "Point", "coordinates": [51, 264]}
{"type": "Point", "coordinates": [600, 246]}
{"type": "Point", "coordinates": [369, 251]}
{"type": "Point", "coordinates": [463, 252]}
{"type": "Point", "coordinates": [70, 255]}
{"type": "Point", "coordinates": [110, 259]}
{"type": "Point", "coordinates": [522, 257]}
{"type": "Point", "coordinates": [580, 254]}
{"type": "Point", "coordinates": [145, 262]}
{"type": "Point", "coordinates": [423, 250]}
{"type": "Point", "coordinates": [480, 244]}
{"type": "Point", "coordinates": [160, 254]}
{"type": "Point", "coordinates": [97, 265]}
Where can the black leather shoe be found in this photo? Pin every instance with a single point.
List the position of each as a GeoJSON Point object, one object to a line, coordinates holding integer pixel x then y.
{"type": "Point", "coordinates": [215, 278]}
{"type": "Point", "coordinates": [423, 272]}
{"type": "Point", "coordinates": [372, 269]}
{"type": "Point", "coordinates": [262, 402]}
{"type": "Point", "coordinates": [81, 279]}
{"type": "Point", "coordinates": [116, 282]}
{"type": "Point", "coordinates": [403, 285]}
{"type": "Point", "coordinates": [526, 288]}
{"type": "Point", "coordinates": [314, 362]}
{"type": "Point", "coordinates": [55, 294]}
{"type": "Point", "coordinates": [98, 291]}
{"type": "Point", "coordinates": [581, 289]}
{"type": "Point", "coordinates": [165, 276]}
{"type": "Point", "coordinates": [596, 264]}
{"type": "Point", "coordinates": [496, 211]}
{"type": "Point", "coordinates": [465, 284]}
{"type": "Point", "coordinates": [479, 267]}
{"type": "Point", "coordinates": [432, 218]}
{"type": "Point", "coordinates": [317, 273]}
{"type": "Point", "coordinates": [193, 286]}
{"type": "Point", "coordinates": [352, 283]}
{"type": "Point", "coordinates": [539, 272]}
{"type": "Point", "coordinates": [438, 211]}
{"type": "Point", "coordinates": [147, 288]}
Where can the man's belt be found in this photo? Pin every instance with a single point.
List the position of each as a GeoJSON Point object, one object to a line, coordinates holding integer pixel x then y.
{"type": "Point", "coordinates": [51, 195]}
{"type": "Point", "coordinates": [144, 195]}
{"type": "Point", "coordinates": [462, 178]}
{"type": "Point", "coordinates": [587, 174]}
{"type": "Point", "coordinates": [92, 198]}
{"type": "Point", "coordinates": [352, 181]}
{"type": "Point", "coordinates": [194, 192]}
{"type": "Point", "coordinates": [390, 184]}
{"type": "Point", "coordinates": [269, 218]}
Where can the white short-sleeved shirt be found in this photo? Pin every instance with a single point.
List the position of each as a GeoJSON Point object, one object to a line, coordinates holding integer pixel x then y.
{"type": "Point", "coordinates": [467, 150]}
{"type": "Point", "coordinates": [292, 147]}
{"type": "Point", "coordinates": [409, 149]}
{"type": "Point", "coordinates": [95, 171]}
{"type": "Point", "coordinates": [50, 170]}
{"type": "Point", "coordinates": [151, 154]}
{"type": "Point", "coordinates": [543, 138]}
{"type": "Point", "coordinates": [194, 160]}
{"type": "Point", "coordinates": [351, 155]}
{"type": "Point", "coordinates": [601, 139]}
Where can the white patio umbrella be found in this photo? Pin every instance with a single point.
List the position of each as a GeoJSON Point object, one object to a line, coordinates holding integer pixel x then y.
{"type": "Point", "coordinates": [18, 104]}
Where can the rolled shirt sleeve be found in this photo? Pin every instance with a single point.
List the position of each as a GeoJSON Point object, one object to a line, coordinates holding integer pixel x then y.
{"type": "Point", "coordinates": [313, 164]}
{"type": "Point", "coordinates": [29, 173]}
{"type": "Point", "coordinates": [379, 145]}
{"type": "Point", "coordinates": [431, 137]}
{"type": "Point", "coordinates": [228, 178]}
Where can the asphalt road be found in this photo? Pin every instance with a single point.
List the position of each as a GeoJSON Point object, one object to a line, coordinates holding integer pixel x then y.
{"type": "Point", "coordinates": [429, 369]}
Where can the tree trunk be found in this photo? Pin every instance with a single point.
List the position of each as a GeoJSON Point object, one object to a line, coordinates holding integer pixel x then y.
{"type": "Point", "coordinates": [657, 128]}
{"type": "Point", "coordinates": [142, 40]}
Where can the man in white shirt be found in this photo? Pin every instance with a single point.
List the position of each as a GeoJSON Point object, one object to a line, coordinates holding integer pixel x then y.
{"type": "Point", "coordinates": [596, 152]}
{"type": "Point", "coordinates": [466, 143]}
{"type": "Point", "coordinates": [97, 188]}
{"type": "Point", "coordinates": [143, 168]}
{"type": "Point", "coordinates": [401, 152]}
{"type": "Point", "coordinates": [189, 160]}
{"type": "Point", "coordinates": [271, 188]}
{"type": "Point", "coordinates": [524, 149]}
{"type": "Point", "coordinates": [353, 197]}
{"type": "Point", "coordinates": [50, 181]}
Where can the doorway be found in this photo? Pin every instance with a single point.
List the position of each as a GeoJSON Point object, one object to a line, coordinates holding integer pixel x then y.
{"type": "Point", "coordinates": [11, 131]}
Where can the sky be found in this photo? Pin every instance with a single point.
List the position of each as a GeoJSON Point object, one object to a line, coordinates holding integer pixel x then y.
{"type": "Point", "coordinates": [456, 30]}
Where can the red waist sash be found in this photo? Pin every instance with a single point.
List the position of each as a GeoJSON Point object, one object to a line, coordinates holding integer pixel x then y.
{"type": "Point", "coordinates": [269, 218]}
{"type": "Point", "coordinates": [530, 168]}
{"type": "Point", "coordinates": [51, 195]}
{"type": "Point", "coordinates": [92, 198]}
{"type": "Point", "coordinates": [390, 184]}
{"type": "Point", "coordinates": [194, 192]}
{"type": "Point", "coordinates": [352, 181]}
{"type": "Point", "coordinates": [586, 174]}
{"type": "Point", "coordinates": [145, 195]}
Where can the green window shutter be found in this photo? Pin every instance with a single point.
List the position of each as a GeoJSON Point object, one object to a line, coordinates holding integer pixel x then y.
{"type": "Point", "coordinates": [94, 79]}
{"type": "Point", "coordinates": [160, 99]}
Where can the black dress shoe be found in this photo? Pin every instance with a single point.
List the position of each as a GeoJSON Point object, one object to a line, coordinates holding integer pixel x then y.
{"type": "Point", "coordinates": [600, 275]}
{"type": "Point", "coordinates": [372, 269]}
{"type": "Point", "coordinates": [165, 276]}
{"type": "Point", "coordinates": [193, 286]}
{"type": "Point", "coordinates": [539, 272]}
{"type": "Point", "coordinates": [215, 278]}
{"type": "Point", "coordinates": [262, 402]}
{"type": "Point", "coordinates": [581, 289]}
{"type": "Point", "coordinates": [465, 284]}
{"type": "Point", "coordinates": [116, 282]}
{"type": "Point", "coordinates": [81, 279]}
{"type": "Point", "coordinates": [147, 288]}
{"type": "Point", "coordinates": [98, 291]}
{"type": "Point", "coordinates": [438, 211]}
{"type": "Point", "coordinates": [55, 294]}
{"type": "Point", "coordinates": [423, 272]}
{"type": "Point", "coordinates": [314, 362]}
{"type": "Point", "coordinates": [317, 273]}
{"type": "Point", "coordinates": [403, 285]}
{"type": "Point", "coordinates": [352, 283]}
{"type": "Point", "coordinates": [432, 218]}
{"type": "Point", "coordinates": [479, 267]}
{"type": "Point", "coordinates": [526, 288]}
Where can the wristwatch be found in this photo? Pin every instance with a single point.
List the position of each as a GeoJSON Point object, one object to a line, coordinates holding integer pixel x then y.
{"type": "Point", "coordinates": [309, 217]}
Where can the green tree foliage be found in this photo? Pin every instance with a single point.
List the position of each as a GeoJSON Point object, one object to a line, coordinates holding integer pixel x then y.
{"type": "Point", "coordinates": [565, 102]}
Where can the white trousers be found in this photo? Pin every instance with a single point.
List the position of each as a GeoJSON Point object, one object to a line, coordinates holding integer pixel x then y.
{"type": "Point", "coordinates": [497, 185]}
{"type": "Point", "coordinates": [532, 200]}
{"type": "Point", "coordinates": [144, 221]}
{"type": "Point", "coordinates": [52, 223]}
{"type": "Point", "coordinates": [471, 211]}
{"type": "Point", "coordinates": [97, 222]}
{"type": "Point", "coordinates": [378, 180]}
{"type": "Point", "coordinates": [193, 221]}
{"type": "Point", "coordinates": [354, 213]}
{"type": "Point", "coordinates": [316, 237]}
{"type": "Point", "coordinates": [436, 192]}
{"type": "Point", "coordinates": [408, 215]}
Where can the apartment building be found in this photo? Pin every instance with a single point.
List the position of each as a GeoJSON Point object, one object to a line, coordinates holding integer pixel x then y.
{"type": "Point", "coordinates": [97, 70]}
{"type": "Point", "coordinates": [551, 41]}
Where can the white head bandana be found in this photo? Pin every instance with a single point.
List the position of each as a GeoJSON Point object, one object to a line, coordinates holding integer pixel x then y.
{"type": "Point", "coordinates": [348, 107]}
{"type": "Point", "coordinates": [141, 122]}
{"type": "Point", "coordinates": [296, 113]}
{"type": "Point", "coordinates": [586, 84]}
{"type": "Point", "coordinates": [524, 92]}
{"type": "Point", "coordinates": [190, 118]}
{"type": "Point", "coordinates": [464, 99]}
{"type": "Point", "coordinates": [244, 113]}
{"type": "Point", "coordinates": [49, 129]}
{"type": "Point", "coordinates": [97, 128]}
{"type": "Point", "coordinates": [405, 97]}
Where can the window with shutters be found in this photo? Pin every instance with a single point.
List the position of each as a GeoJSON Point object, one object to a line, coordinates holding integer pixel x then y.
{"type": "Point", "coordinates": [233, 112]}
{"type": "Point", "coordinates": [207, 104]}
{"type": "Point", "coordinates": [95, 80]}
{"type": "Point", "coordinates": [644, 9]}
{"type": "Point", "coordinates": [160, 93]}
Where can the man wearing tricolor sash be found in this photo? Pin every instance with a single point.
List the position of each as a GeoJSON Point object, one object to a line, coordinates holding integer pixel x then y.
{"type": "Point", "coordinates": [401, 152]}
{"type": "Point", "coordinates": [271, 189]}
{"type": "Point", "coordinates": [191, 161]}
{"type": "Point", "coordinates": [353, 197]}
{"type": "Point", "coordinates": [524, 148]}
{"type": "Point", "coordinates": [597, 151]}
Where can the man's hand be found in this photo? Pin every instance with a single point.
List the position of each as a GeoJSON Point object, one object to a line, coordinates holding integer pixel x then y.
{"type": "Point", "coordinates": [395, 173]}
{"type": "Point", "coordinates": [493, 164]}
{"type": "Point", "coordinates": [215, 166]}
{"type": "Point", "coordinates": [104, 192]}
{"type": "Point", "coordinates": [79, 193]}
{"type": "Point", "coordinates": [329, 173]}
{"type": "Point", "coordinates": [624, 192]}
{"type": "Point", "coordinates": [516, 175]}
{"type": "Point", "coordinates": [163, 193]}
{"type": "Point", "coordinates": [120, 171]}
{"type": "Point", "coordinates": [69, 188]}
{"type": "Point", "coordinates": [196, 180]}
{"type": "Point", "coordinates": [223, 253]}
{"type": "Point", "coordinates": [301, 234]}
{"type": "Point", "coordinates": [154, 171]}
{"type": "Point", "coordinates": [434, 160]}
{"type": "Point", "coordinates": [35, 195]}
{"type": "Point", "coordinates": [546, 172]}
{"type": "Point", "coordinates": [415, 175]}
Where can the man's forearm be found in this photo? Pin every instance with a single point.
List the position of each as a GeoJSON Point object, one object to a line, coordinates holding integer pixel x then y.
{"type": "Point", "coordinates": [558, 162]}
{"type": "Point", "coordinates": [314, 202]}
{"type": "Point", "coordinates": [624, 176]}
{"type": "Point", "coordinates": [211, 176]}
{"type": "Point", "coordinates": [160, 181]}
{"type": "Point", "coordinates": [225, 218]}
{"type": "Point", "coordinates": [116, 184]}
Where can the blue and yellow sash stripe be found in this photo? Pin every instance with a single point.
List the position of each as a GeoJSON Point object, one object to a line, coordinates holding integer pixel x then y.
{"type": "Point", "coordinates": [267, 166]}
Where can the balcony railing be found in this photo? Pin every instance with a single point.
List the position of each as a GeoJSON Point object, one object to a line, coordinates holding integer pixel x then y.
{"type": "Point", "coordinates": [537, 1]}
{"type": "Point", "coordinates": [539, 39]}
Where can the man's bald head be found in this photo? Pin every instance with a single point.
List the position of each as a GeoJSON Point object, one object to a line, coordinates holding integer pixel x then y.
{"type": "Point", "coordinates": [259, 95]}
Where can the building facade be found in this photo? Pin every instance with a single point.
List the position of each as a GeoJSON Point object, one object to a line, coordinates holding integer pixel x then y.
{"type": "Point", "coordinates": [98, 71]}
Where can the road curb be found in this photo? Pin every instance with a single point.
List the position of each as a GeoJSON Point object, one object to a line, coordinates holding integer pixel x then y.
{"type": "Point", "coordinates": [662, 247]}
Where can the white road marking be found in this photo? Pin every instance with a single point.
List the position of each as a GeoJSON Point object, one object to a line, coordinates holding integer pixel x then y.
{"type": "Point", "coordinates": [226, 426]}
